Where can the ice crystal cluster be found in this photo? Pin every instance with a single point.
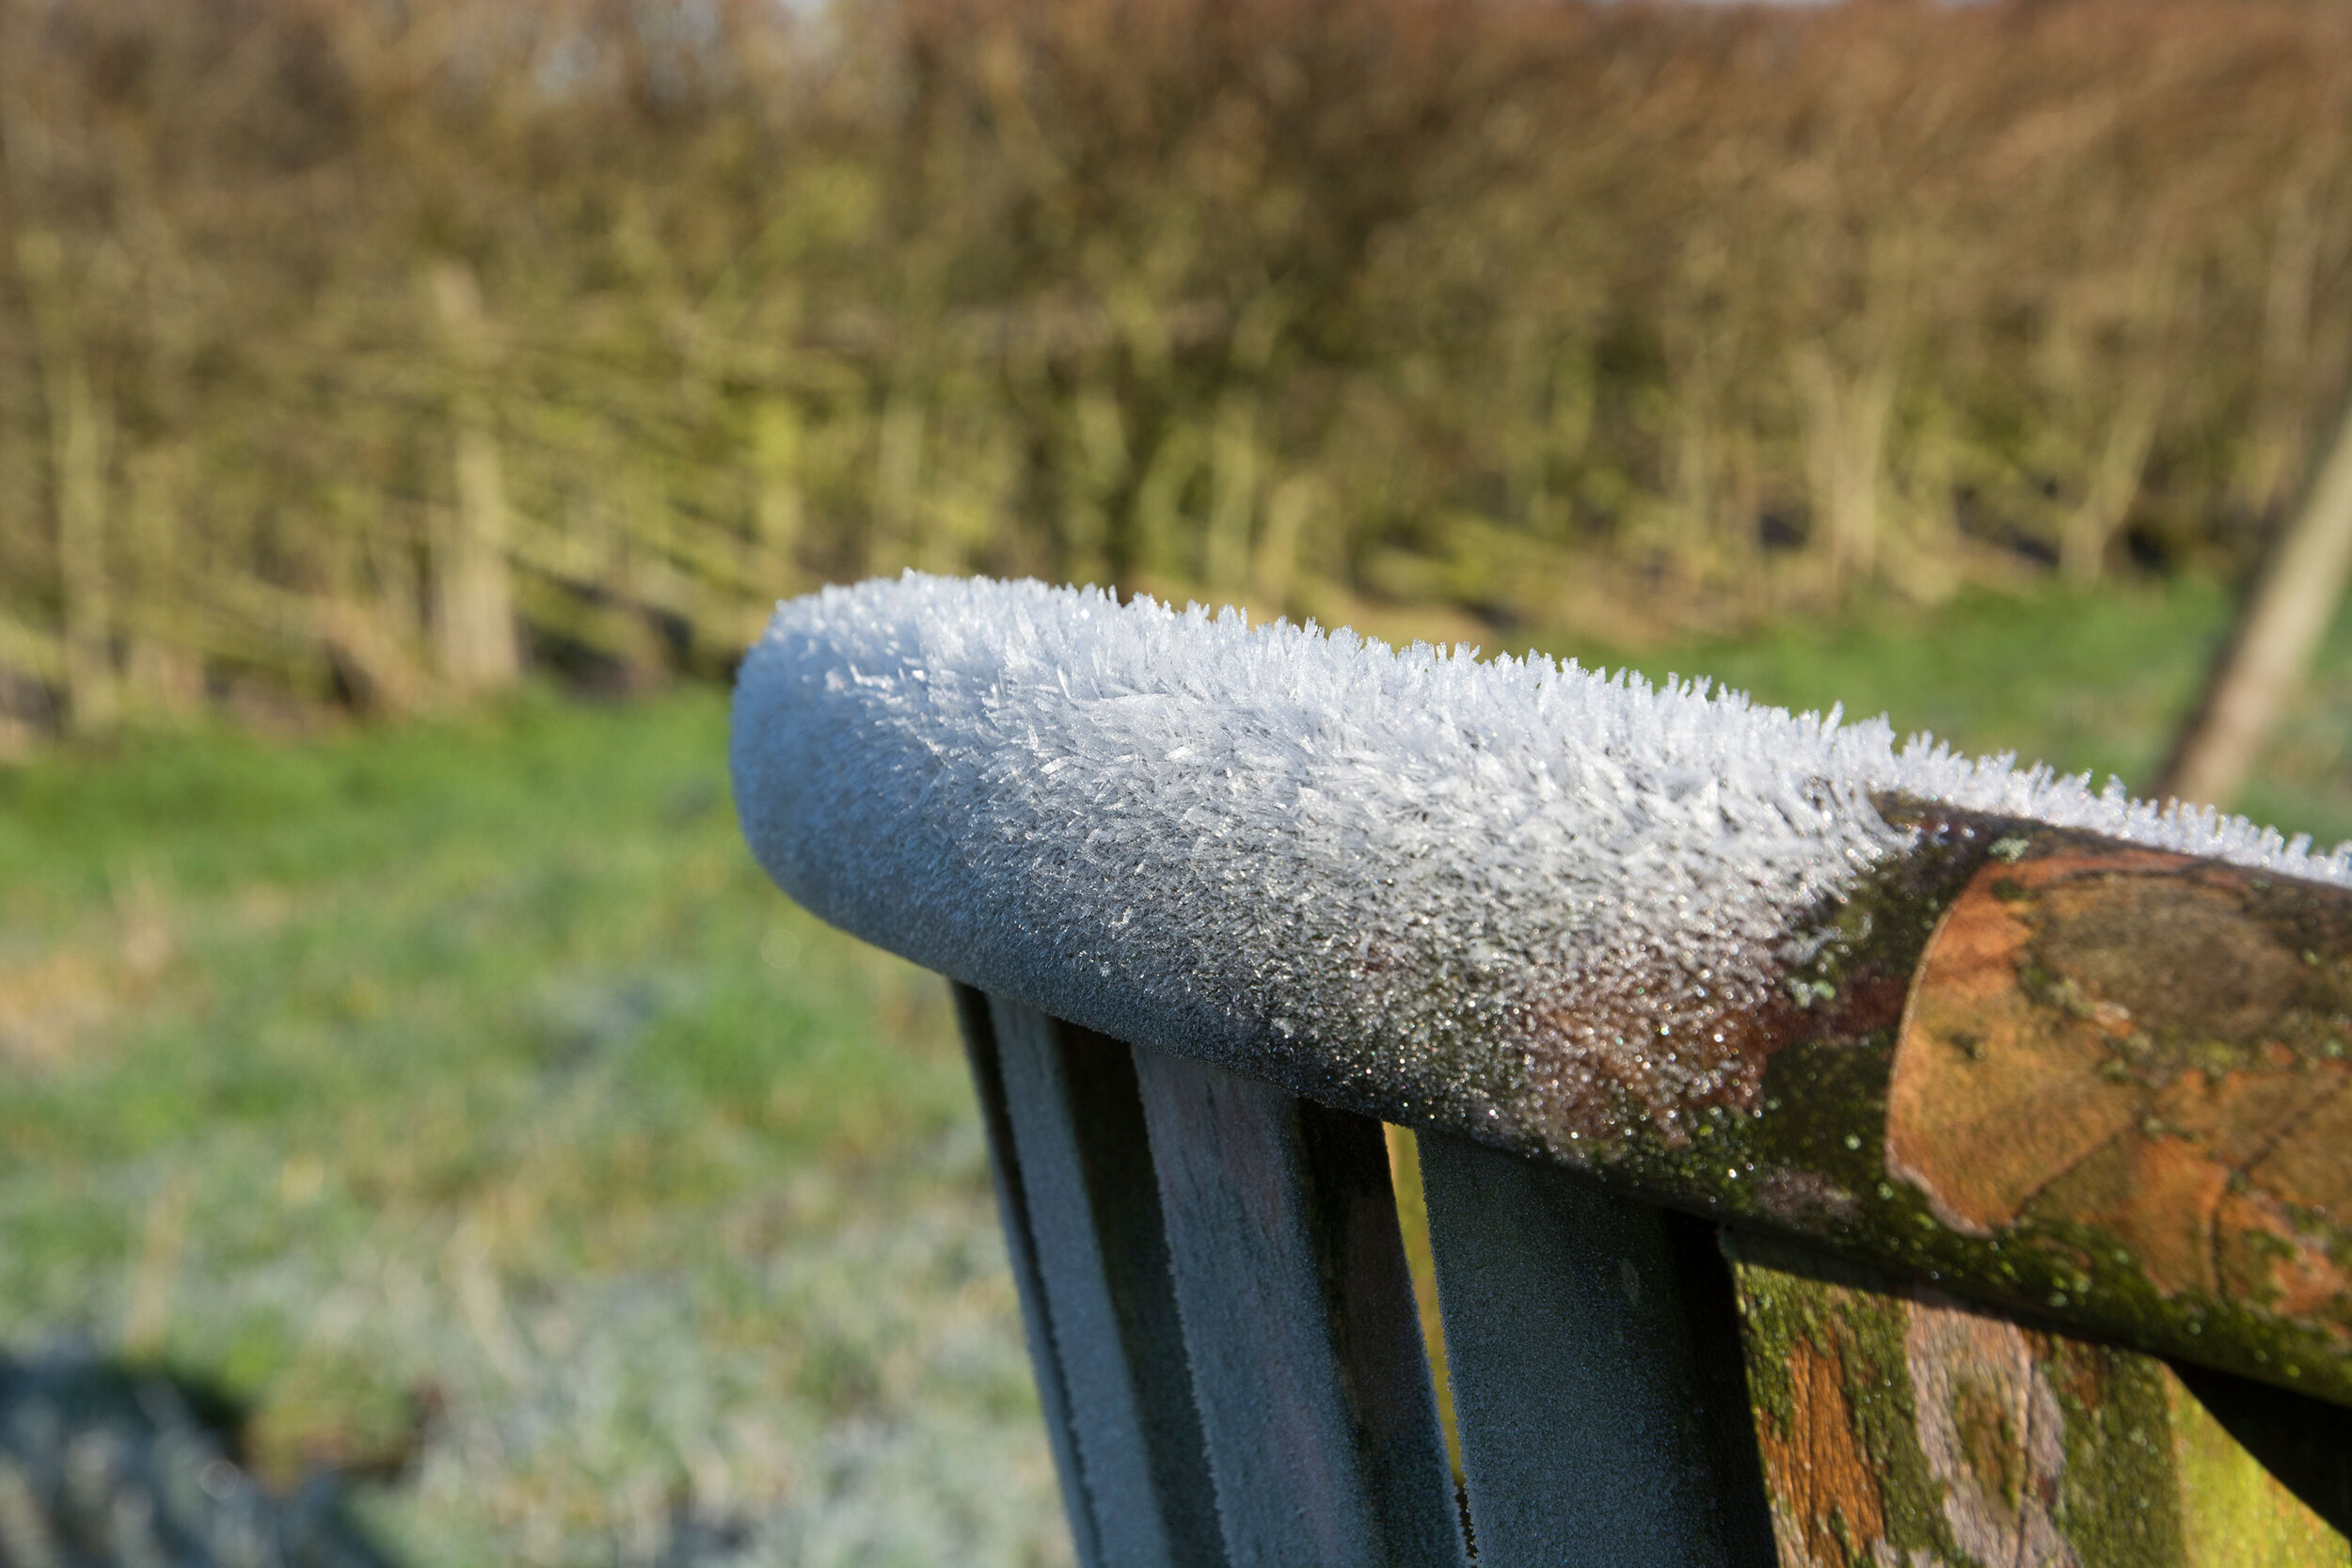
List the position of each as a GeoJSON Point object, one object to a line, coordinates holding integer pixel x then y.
{"type": "Point", "coordinates": [1404, 878]}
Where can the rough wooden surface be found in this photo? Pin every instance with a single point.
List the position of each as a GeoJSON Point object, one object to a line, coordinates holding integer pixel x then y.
{"type": "Point", "coordinates": [1085, 1166]}
{"type": "Point", "coordinates": [1899, 1426]}
{"type": "Point", "coordinates": [2033, 1067]}
{"type": "Point", "coordinates": [2048, 1072]}
{"type": "Point", "coordinates": [2148, 1054]}
{"type": "Point", "coordinates": [1592, 1430]}
{"type": "Point", "coordinates": [1299, 1324]}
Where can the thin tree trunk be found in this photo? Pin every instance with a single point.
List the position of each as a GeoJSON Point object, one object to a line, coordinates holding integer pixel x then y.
{"type": "Point", "coordinates": [474, 595]}
{"type": "Point", "coordinates": [1290, 506]}
{"type": "Point", "coordinates": [781, 508]}
{"type": "Point", "coordinates": [1845, 427]}
{"type": "Point", "coordinates": [1234, 498]}
{"type": "Point", "coordinates": [77, 431]}
{"type": "Point", "coordinates": [368, 653]}
{"type": "Point", "coordinates": [1100, 470]}
{"type": "Point", "coordinates": [898, 526]}
{"type": "Point", "coordinates": [162, 671]}
{"type": "Point", "coordinates": [78, 438]}
{"type": "Point", "coordinates": [2271, 646]}
{"type": "Point", "coordinates": [2114, 483]}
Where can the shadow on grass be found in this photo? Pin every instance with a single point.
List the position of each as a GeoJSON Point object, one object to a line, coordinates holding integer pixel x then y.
{"type": "Point", "coordinates": [103, 1464]}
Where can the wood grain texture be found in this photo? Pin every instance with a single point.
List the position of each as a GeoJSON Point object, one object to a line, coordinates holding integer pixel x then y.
{"type": "Point", "coordinates": [1591, 1433]}
{"type": "Point", "coordinates": [1102, 1258]}
{"type": "Point", "coordinates": [1899, 1426]}
{"type": "Point", "coordinates": [1300, 1325]}
{"type": "Point", "coordinates": [2150, 1053]}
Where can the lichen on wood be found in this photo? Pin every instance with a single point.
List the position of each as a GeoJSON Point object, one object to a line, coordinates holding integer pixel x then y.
{"type": "Point", "coordinates": [2038, 1067]}
{"type": "Point", "coordinates": [1899, 1426]}
{"type": "Point", "coordinates": [2150, 1047]}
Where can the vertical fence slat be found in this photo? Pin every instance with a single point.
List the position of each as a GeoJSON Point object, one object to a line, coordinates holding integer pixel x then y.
{"type": "Point", "coordinates": [1101, 1260]}
{"type": "Point", "coordinates": [1599, 1405]}
{"type": "Point", "coordinates": [1012, 1207]}
{"type": "Point", "coordinates": [1299, 1317]}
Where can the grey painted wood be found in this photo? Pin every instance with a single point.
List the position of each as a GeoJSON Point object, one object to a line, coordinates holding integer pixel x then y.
{"type": "Point", "coordinates": [1299, 1317]}
{"type": "Point", "coordinates": [1102, 1257]}
{"type": "Point", "coordinates": [1012, 1210]}
{"type": "Point", "coordinates": [1591, 1343]}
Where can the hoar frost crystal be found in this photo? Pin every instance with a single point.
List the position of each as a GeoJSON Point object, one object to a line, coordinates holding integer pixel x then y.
{"type": "Point", "coordinates": [1506, 893]}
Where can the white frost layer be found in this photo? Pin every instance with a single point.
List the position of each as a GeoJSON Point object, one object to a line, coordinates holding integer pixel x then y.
{"type": "Point", "coordinates": [1480, 880]}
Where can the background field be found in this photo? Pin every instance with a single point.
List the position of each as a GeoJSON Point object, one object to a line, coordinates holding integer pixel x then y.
{"type": "Point", "coordinates": [468, 1087]}
{"type": "Point", "coordinates": [460, 1098]}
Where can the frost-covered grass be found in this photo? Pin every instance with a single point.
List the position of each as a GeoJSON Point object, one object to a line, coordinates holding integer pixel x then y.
{"type": "Point", "coordinates": [470, 1072]}
{"type": "Point", "coordinates": [466, 1085]}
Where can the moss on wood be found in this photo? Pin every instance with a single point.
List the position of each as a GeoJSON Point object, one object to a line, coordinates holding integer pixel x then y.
{"type": "Point", "coordinates": [1899, 1425]}
{"type": "Point", "coordinates": [2086, 1080]}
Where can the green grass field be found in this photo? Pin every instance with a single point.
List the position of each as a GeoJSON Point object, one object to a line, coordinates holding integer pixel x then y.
{"type": "Point", "coordinates": [471, 1072]}
{"type": "Point", "coordinates": [461, 1098]}
{"type": "Point", "coordinates": [2090, 682]}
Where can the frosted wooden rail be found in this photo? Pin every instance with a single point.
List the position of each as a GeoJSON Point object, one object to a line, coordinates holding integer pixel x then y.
{"type": "Point", "coordinates": [1833, 1154]}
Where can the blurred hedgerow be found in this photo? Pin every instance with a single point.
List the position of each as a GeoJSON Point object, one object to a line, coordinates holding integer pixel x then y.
{"type": "Point", "coordinates": [363, 353]}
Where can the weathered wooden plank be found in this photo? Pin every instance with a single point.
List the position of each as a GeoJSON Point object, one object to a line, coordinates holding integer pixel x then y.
{"type": "Point", "coordinates": [1013, 1208]}
{"type": "Point", "coordinates": [1592, 1430]}
{"type": "Point", "coordinates": [1900, 1426]}
{"type": "Point", "coordinates": [2140, 1066]}
{"type": "Point", "coordinates": [1299, 1317]}
{"type": "Point", "coordinates": [1101, 1257]}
